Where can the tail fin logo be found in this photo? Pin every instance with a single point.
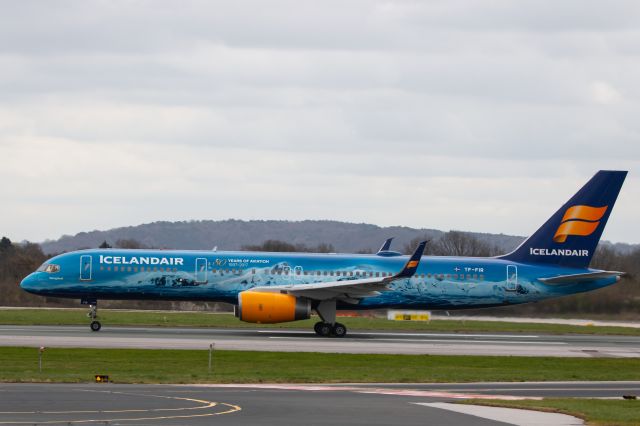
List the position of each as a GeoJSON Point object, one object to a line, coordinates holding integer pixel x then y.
{"type": "Point", "coordinates": [579, 220]}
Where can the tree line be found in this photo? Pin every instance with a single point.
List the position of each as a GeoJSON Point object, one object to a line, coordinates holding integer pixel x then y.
{"type": "Point", "coordinates": [621, 300]}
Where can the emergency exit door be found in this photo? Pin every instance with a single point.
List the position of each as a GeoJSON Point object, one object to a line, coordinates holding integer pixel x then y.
{"type": "Point", "coordinates": [201, 270]}
{"type": "Point", "coordinates": [85, 268]}
{"type": "Point", "coordinates": [512, 277]}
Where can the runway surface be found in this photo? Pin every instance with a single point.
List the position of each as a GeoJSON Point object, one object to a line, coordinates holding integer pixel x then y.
{"type": "Point", "coordinates": [357, 404]}
{"type": "Point", "coordinates": [306, 341]}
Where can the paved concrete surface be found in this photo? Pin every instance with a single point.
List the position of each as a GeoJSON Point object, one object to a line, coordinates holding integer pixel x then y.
{"type": "Point", "coordinates": [357, 404]}
{"type": "Point", "coordinates": [303, 340]}
{"type": "Point", "coordinates": [174, 405]}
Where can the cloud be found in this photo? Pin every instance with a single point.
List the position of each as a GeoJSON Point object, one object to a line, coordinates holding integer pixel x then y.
{"type": "Point", "coordinates": [446, 114]}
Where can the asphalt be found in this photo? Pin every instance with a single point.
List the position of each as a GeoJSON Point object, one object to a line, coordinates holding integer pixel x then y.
{"type": "Point", "coordinates": [306, 341]}
{"type": "Point", "coordinates": [355, 404]}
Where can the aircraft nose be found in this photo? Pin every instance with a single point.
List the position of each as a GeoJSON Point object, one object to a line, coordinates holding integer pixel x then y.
{"type": "Point", "coordinates": [28, 283]}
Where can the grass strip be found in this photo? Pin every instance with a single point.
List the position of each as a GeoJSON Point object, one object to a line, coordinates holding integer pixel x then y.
{"type": "Point", "coordinates": [191, 366]}
{"type": "Point", "coordinates": [601, 412]}
{"type": "Point", "coordinates": [208, 319]}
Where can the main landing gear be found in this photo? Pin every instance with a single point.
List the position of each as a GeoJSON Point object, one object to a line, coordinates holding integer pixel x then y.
{"type": "Point", "coordinates": [93, 314]}
{"type": "Point", "coordinates": [328, 327]}
{"type": "Point", "coordinates": [325, 329]}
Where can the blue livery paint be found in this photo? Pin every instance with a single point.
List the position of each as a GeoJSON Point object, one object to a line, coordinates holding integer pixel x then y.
{"type": "Point", "coordinates": [428, 283]}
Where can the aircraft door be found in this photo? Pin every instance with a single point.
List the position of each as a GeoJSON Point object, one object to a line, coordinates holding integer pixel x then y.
{"type": "Point", "coordinates": [201, 270]}
{"type": "Point", "coordinates": [512, 277]}
{"type": "Point", "coordinates": [85, 267]}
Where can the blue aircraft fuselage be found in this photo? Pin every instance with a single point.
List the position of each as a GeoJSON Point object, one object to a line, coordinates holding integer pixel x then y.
{"type": "Point", "coordinates": [279, 287]}
{"type": "Point", "coordinates": [439, 282]}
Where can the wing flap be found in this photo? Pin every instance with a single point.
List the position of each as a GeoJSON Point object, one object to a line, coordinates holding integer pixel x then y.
{"type": "Point", "coordinates": [349, 290]}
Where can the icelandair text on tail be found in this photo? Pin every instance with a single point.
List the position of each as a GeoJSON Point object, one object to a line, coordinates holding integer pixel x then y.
{"type": "Point", "coordinates": [557, 252]}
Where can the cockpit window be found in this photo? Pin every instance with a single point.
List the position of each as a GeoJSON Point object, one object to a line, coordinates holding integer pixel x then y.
{"type": "Point", "coordinates": [49, 268]}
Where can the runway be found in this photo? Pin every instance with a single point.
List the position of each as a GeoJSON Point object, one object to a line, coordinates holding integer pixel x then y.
{"type": "Point", "coordinates": [371, 404]}
{"type": "Point", "coordinates": [306, 341]}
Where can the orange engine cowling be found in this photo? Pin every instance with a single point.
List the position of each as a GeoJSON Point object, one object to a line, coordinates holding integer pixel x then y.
{"type": "Point", "coordinates": [271, 308]}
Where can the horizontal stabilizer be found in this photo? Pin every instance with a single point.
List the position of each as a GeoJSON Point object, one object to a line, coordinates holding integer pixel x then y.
{"type": "Point", "coordinates": [587, 276]}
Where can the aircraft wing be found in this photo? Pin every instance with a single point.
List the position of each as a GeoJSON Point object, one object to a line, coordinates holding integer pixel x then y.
{"type": "Point", "coordinates": [574, 278]}
{"type": "Point", "coordinates": [349, 290]}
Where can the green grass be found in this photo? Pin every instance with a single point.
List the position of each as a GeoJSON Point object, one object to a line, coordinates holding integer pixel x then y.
{"type": "Point", "coordinates": [599, 412]}
{"type": "Point", "coordinates": [190, 366]}
{"type": "Point", "coordinates": [205, 319]}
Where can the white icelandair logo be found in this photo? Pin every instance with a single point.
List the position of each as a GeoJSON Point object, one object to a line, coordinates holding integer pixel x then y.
{"type": "Point", "coordinates": [141, 260]}
{"type": "Point", "coordinates": [558, 252]}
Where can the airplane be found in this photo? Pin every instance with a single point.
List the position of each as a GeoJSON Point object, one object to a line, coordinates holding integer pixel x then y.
{"type": "Point", "coordinates": [270, 288]}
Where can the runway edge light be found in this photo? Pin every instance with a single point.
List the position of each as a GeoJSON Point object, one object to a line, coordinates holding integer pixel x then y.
{"type": "Point", "coordinates": [102, 378]}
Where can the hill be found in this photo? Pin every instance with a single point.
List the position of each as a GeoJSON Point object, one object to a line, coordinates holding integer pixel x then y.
{"type": "Point", "coordinates": [234, 234]}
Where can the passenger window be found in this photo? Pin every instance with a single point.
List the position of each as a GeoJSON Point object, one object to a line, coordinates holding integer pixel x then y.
{"type": "Point", "coordinates": [115, 269]}
{"type": "Point", "coordinates": [102, 268]}
{"type": "Point", "coordinates": [475, 276]}
{"type": "Point", "coordinates": [377, 274]}
{"type": "Point", "coordinates": [481, 277]}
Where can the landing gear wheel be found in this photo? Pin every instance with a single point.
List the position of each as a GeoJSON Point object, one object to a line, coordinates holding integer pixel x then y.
{"type": "Point", "coordinates": [95, 325]}
{"type": "Point", "coordinates": [339, 330]}
{"type": "Point", "coordinates": [323, 329]}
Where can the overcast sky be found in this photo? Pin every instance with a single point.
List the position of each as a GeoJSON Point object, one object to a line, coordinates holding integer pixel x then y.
{"type": "Point", "coordinates": [478, 116]}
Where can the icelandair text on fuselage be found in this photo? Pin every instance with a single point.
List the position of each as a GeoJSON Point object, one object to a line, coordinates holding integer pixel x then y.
{"type": "Point", "coordinates": [141, 260]}
{"type": "Point", "coordinates": [557, 252]}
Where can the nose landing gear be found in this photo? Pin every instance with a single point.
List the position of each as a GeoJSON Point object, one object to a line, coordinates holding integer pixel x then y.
{"type": "Point", "coordinates": [93, 314]}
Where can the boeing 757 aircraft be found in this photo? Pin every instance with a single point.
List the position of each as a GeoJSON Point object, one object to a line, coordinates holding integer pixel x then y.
{"type": "Point", "coordinates": [281, 287]}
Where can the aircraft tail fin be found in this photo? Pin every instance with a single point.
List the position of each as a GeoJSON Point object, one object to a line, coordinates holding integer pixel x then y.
{"type": "Point", "coordinates": [569, 238]}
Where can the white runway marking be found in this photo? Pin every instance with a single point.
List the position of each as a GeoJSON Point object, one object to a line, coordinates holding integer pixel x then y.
{"type": "Point", "coordinates": [357, 333]}
{"type": "Point", "coordinates": [502, 342]}
{"type": "Point", "coordinates": [508, 415]}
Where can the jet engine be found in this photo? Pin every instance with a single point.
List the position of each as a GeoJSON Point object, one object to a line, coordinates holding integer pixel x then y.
{"type": "Point", "coordinates": [271, 308]}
